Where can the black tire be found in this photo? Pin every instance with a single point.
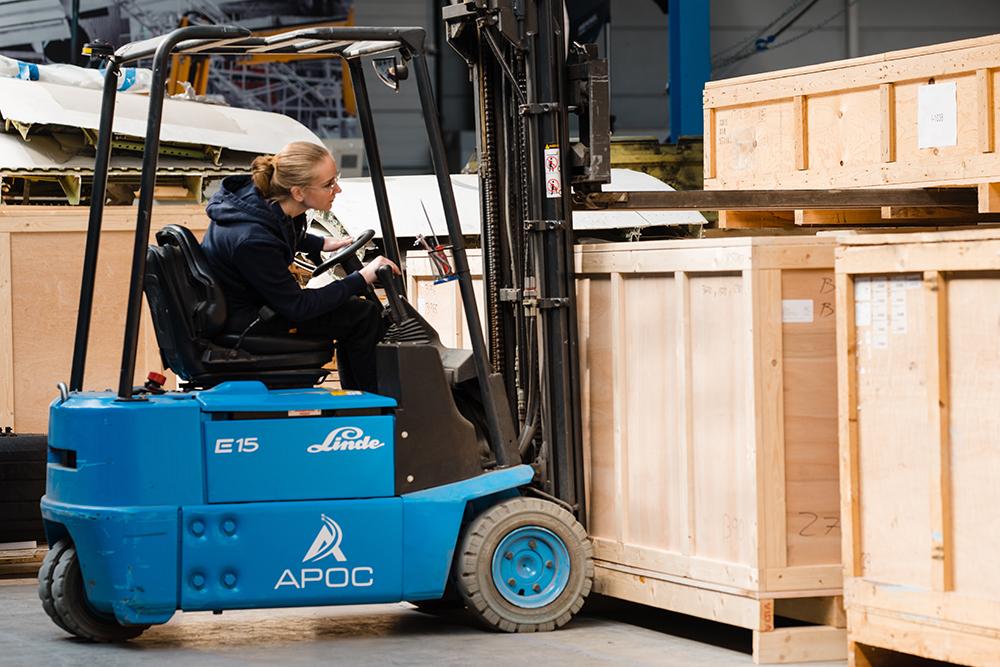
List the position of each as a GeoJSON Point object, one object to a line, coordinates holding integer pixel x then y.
{"type": "Point", "coordinates": [474, 565]}
{"type": "Point", "coordinates": [45, 573]}
{"type": "Point", "coordinates": [22, 484]}
{"type": "Point", "coordinates": [69, 601]}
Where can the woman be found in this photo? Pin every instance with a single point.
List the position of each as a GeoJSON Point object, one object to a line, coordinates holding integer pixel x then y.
{"type": "Point", "coordinates": [258, 224]}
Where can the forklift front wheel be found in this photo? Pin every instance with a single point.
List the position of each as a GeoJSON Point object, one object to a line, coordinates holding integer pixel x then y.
{"type": "Point", "coordinates": [60, 586]}
{"type": "Point", "coordinates": [525, 566]}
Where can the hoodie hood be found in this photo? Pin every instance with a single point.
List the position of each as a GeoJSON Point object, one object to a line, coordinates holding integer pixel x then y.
{"type": "Point", "coordinates": [239, 201]}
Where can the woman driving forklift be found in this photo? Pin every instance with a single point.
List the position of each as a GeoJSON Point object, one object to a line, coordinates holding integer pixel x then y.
{"type": "Point", "coordinates": [258, 223]}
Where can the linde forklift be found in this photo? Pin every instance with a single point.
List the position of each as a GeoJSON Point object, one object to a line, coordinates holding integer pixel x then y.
{"type": "Point", "coordinates": [460, 481]}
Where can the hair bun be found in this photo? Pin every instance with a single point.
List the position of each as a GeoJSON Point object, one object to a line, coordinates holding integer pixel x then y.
{"type": "Point", "coordinates": [262, 170]}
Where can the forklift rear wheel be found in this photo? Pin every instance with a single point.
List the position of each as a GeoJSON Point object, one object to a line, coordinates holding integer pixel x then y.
{"type": "Point", "coordinates": [525, 566]}
{"type": "Point", "coordinates": [60, 586]}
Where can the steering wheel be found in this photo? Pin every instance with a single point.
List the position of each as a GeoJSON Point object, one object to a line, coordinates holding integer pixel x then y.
{"type": "Point", "coordinates": [345, 253]}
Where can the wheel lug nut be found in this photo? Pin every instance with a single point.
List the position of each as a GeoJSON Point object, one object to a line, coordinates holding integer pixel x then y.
{"type": "Point", "coordinates": [509, 555]}
{"type": "Point", "coordinates": [511, 581]}
{"type": "Point", "coordinates": [532, 545]}
{"type": "Point", "coordinates": [536, 588]}
{"type": "Point", "coordinates": [548, 565]}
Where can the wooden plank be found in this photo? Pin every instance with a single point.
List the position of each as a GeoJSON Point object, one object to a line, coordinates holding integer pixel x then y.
{"type": "Point", "coordinates": [736, 578]}
{"type": "Point", "coordinates": [939, 401]}
{"type": "Point", "coordinates": [722, 607]}
{"type": "Point", "coordinates": [932, 640]}
{"type": "Point", "coordinates": [847, 404]}
{"type": "Point", "coordinates": [887, 92]}
{"type": "Point", "coordinates": [987, 113]}
{"type": "Point", "coordinates": [619, 393]}
{"type": "Point", "coordinates": [711, 139]}
{"type": "Point", "coordinates": [775, 199]}
{"type": "Point", "coordinates": [766, 389]}
{"type": "Point", "coordinates": [686, 408]}
{"type": "Point", "coordinates": [939, 60]}
{"type": "Point", "coordinates": [800, 139]}
{"type": "Point", "coordinates": [835, 217]}
{"type": "Point", "coordinates": [755, 219]}
{"type": "Point", "coordinates": [959, 255]}
{"type": "Point", "coordinates": [803, 578]}
{"type": "Point", "coordinates": [803, 644]}
{"type": "Point", "coordinates": [6, 334]}
{"type": "Point", "coordinates": [989, 197]}
{"type": "Point", "coordinates": [968, 610]}
{"type": "Point", "coordinates": [818, 611]}
{"type": "Point", "coordinates": [930, 214]}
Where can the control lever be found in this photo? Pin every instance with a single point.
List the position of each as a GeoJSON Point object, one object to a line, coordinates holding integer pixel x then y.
{"type": "Point", "coordinates": [397, 312]}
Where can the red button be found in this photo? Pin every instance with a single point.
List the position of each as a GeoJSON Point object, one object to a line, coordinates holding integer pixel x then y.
{"type": "Point", "coordinates": [157, 378]}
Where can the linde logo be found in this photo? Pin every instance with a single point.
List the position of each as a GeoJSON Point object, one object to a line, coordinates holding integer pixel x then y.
{"type": "Point", "coordinates": [345, 438]}
{"type": "Point", "coordinates": [326, 544]}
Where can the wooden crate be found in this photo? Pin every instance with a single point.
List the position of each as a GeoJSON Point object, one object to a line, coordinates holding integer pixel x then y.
{"type": "Point", "coordinates": [919, 379]}
{"type": "Point", "coordinates": [861, 123]}
{"type": "Point", "coordinates": [41, 263]}
{"type": "Point", "coordinates": [709, 428]}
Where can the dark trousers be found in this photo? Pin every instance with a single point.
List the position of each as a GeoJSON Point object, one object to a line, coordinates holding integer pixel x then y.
{"type": "Point", "coordinates": [357, 326]}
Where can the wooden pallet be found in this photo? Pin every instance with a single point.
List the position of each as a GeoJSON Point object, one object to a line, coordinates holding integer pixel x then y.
{"type": "Point", "coordinates": [21, 561]}
{"type": "Point", "coordinates": [824, 639]}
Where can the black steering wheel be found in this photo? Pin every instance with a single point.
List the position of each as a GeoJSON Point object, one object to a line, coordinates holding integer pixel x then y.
{"type": "Point", "coordinates": [345, 253]}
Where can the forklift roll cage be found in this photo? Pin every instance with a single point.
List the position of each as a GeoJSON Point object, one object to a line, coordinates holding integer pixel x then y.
{"type": "Point", "coordinates": [350, 43]}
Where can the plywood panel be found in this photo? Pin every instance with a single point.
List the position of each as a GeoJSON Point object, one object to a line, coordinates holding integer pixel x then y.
{"type": "Point", "coordinates": [723, 434]}
{"type": "Point", "coordinates": [892, 397]}
{"type": "Point", "coordinates": [974, 380]}
{"type": "Point", "coordinates": [809, 387]}
{"type": "Point", "coordinates": [655, 467]}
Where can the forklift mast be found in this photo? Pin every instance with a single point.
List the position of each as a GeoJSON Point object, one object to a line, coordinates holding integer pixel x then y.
{"type": "Point", "coordinates": [531, 88]}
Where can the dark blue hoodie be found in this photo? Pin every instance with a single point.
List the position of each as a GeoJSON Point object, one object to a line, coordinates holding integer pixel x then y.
{"type": "Point", "coordinates": [250, 245]}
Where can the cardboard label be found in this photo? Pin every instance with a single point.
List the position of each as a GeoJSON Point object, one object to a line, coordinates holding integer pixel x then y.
{"type": "Point", "coordinates": [796, 311]}
{"type": "Point", "coordinates": [937, 115]}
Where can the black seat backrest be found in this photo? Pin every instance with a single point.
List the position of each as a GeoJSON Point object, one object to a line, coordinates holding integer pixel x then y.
{"type": "Point", "coordinates": [187, 305]}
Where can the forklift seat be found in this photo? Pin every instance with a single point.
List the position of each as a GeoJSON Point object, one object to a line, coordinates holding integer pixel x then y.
{"type": "Point", "coordinates": [189, 311]}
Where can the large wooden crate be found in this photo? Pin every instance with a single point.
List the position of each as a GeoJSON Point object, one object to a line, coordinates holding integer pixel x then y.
{"type": "Point", "coordinates": [708, 371]}
{"type": "Point", "coordinates": [860, 123]}
{"type": "Point", "coordinates": [919, 365]}
{"type": "Point", "coordinates": [41, 263]}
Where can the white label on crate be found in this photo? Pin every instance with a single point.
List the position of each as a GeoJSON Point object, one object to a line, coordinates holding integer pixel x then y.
{"type": "Point", "coordinates": [553, 173]}
{"type": "Point", "coordinates": [862, 313]}
{"type": "Point", "coordinates": [797, 311]}
{"type": "Point", "coordinates": [862, 289]}
{"type": "Point", "coordinates": [898, 302]}
{"type": "Point", "coordinates": [937, 115]}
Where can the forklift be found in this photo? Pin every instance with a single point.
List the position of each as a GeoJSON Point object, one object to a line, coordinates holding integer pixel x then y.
{"type": "Point", "coordinates": [460, 482]}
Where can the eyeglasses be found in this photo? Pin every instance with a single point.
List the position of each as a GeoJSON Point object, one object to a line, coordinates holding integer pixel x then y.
{"type": "Point", "coordinates": [329, 187]}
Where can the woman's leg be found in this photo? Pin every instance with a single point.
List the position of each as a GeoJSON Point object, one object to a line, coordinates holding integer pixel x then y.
{"type": "Point", "coordinates": [357, 326]}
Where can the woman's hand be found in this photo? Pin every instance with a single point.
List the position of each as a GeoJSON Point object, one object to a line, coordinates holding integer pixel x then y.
{"type": "Point", "coordinates": [330, 244]}
{"type": "Point", "coordinates": [368, 272]}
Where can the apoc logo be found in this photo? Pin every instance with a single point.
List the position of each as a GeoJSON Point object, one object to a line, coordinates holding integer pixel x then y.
{"type": "Point", "coordinates": [327, 543]}
{"type": "Point", "coordinates": [345, 438]}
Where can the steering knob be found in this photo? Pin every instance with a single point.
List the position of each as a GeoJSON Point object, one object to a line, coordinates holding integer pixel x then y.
{"type": "Point", "coordinates": [397, 313]}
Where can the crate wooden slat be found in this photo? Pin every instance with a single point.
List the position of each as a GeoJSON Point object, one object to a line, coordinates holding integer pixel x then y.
{"type": "Point", "coordinates": [919, 366]}
{"type": "Point", "coordinates": [41, 263]}
{"type": "Point", "coordinates": [855, 123]}
{"type": "Point", "coordinates": [709, 425]}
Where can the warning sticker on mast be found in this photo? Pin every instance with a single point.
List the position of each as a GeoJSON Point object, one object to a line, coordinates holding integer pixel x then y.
{"type": "Point", "coordinates": [553, 172]}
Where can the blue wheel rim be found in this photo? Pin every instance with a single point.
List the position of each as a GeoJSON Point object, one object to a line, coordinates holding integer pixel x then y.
{"type": "Point", "coordinates": [531, 567]}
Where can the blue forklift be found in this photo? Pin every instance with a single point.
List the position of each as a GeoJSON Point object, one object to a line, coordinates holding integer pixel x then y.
{"type": "Point", "coordinates": [459, 483]}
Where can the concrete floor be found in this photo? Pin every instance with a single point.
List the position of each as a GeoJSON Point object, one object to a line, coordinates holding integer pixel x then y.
{"type": "Point", "coordinates": [607, 633]}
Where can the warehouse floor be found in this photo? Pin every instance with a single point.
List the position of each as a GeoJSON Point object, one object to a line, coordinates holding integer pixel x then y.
{"type": "Point", "coordinates": [608, 633]}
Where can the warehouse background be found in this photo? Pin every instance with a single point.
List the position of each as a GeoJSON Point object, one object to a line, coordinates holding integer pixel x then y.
{"type": "Point", "coordinates": [635, 40]}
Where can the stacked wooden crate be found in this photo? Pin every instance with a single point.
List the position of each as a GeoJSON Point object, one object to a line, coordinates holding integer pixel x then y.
{"type": "Point", "coordinates": [41, 260]}
{"type": "Point", "coordinates": [709, 427]}
{"type": "Point", "coordinates": [923, 117]}
{"type": "Point", "coordinates": [919, 378]}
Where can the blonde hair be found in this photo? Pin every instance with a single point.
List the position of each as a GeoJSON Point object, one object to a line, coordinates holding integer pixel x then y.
{"type": "Point", "coordinates": [294, 165]}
